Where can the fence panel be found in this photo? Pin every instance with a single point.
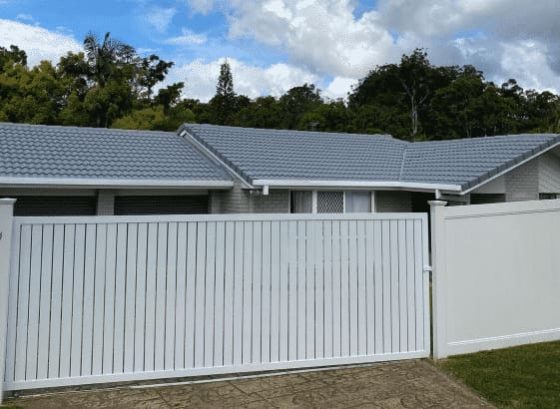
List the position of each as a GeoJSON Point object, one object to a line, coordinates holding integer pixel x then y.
{"type": "Point", "coordinates": [104, 299]}
{"type": "Point", "coordinates": [496, 275]}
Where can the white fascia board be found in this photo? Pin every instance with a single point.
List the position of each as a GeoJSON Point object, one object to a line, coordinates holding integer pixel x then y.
{"type": "Point", "coordinates": [356, 185]}
{"type": "Point", "coordinates": [113, 183]}
{"type": "Point", "coordinates": [523, 162]}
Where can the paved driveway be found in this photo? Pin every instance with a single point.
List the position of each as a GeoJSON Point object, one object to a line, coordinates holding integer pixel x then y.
{"type": "Point", "coordinates": [407, 384]}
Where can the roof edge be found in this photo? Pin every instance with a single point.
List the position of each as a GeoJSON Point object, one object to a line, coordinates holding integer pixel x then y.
{"type": "Point", "coordinates": [113, 183]}
{"type": "Point", "coordinates": [355, 184]}
{"type": "Point", "coordinates": [509, 166]}
{"type": "Point", "coordinates": [214, 155]}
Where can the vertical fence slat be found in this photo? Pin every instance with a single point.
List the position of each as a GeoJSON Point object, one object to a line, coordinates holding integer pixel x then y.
{"type": "Point", "coordinates": [362, 288]}
{"type": "Point", "coordinates": [150, 299]}
{"type": "Point", "coordinates": [209, 288]}
{"type": "Point", "coordinates": [171, 294]}
{"type": "Point", "coordinates": [265, 295]}
{"type": "Point", "coordinates": [56, 302]}
{"type": "Point", "coordinates": [88, 300]}
{"type": "Point", "coordinates": [344, 289]}
{"type": "Point", "coordinates": [78, 300]}
{"type": "Point", "coordinates": [275, 292]}
{"type": "Point", "coordinates": [190, 307]}
{"type": "Point", "coordinates": [371, 261]}
{"type": "Point", "coordinates": [328, 290]}
{"type": "Point", "coordinates": [34, 301]}
{"type": "Point", "coordinates": [353, 286]}
{"type": "Point", "coordinates": [309, 294]}
{"type": "Point", "coordinates": [140, 332]}
{"type": "Point", "coordinates": [238, 294]}
{"type": "Point", "coordinates": [180, 311]}
{"type": "Point", "coordinates": [161, 295]}
{"type": "Point", "coordinates": [386, 286]}
{"type": "Point", "coordinates": [336, 288]}
{"type": "Point", "coordinates": [256, 281]}
{"type": "Point", "coordinates": [23, 303]}
{"type": "Point", "coordinates": [402, 280]}
{"type": "Point", "coordinates": [229, 310]}
{"type": "Point", "coordinates": [44, 314]}
{"type": "Point", "coordinates": [410, 283]}
{"type": "Point", "coordinates": [284, 253]}
{"type": "Point", "coordinates": [130, 296]}
{"type": "Point", "coordinates": [120, 297]}
{"type": "Point", "coordinates": [109, 309]}
{"type": "Point", "coordinates": [219, 295]}
{"type": "Point", "coordinates": [200, 292]}
{"type": "Point", "coordinates": [246, 339]}
{"type": "Point", "coordinates": [319, 291]}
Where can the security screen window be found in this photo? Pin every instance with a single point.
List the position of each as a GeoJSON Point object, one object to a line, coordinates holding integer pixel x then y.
{"type": "Point", "coordinates": [330, 202]}
{"type": "Point", "coordinates": [358, 202]}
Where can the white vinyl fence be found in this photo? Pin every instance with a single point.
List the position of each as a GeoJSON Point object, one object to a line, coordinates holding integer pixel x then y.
{"type": "Point", "coordinates": [100, 299]}
{"type": "Point", "coordinates": [496, 275]}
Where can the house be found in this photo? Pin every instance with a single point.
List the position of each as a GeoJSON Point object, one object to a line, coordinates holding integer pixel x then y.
{"type": "Point", "coordinates": [56, 170]}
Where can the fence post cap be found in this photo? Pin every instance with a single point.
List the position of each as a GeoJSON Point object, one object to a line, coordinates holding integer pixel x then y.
{"type": "Point", "coordinates": [7, 201]}
{"type": "Point", "coordinates": [437, 202]}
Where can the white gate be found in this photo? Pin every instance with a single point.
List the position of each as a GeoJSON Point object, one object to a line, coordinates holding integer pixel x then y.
{"type": "Point", "coordinates": [103, 299]}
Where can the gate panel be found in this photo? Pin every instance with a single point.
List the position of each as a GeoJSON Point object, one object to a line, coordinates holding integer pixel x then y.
{"type": "Point", "coordinates": [104, 299]}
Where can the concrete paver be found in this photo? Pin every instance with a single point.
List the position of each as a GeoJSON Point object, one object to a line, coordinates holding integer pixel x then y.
{"type": "Point", "coordinates": [405, 384]}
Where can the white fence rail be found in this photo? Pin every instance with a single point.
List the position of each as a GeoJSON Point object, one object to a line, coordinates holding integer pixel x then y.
{"type": "Point", "coordinates": [496, 275]}
{"type": "Point", "coordinates": [98, 299]}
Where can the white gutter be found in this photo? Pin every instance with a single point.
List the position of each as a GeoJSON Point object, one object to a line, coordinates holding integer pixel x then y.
{"type": "Point", "coordinates": [112, 183]}
{"type": "Point", "coordinates": [509, 169]}
{"type": "Point", "coordinates": [353, 184]}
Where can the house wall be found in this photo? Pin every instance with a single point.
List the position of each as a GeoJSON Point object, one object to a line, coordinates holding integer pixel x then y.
{"type": "Point", "coordinates": [522, 183]}
{"type": "Point", "coordinates": [393, 201]}
{"type": "Point", "coordinates": [549, 173]}
{"type": "Point", "coordinates": [540, 175]}
{"type": "Point", "coordinates": [239, 200]}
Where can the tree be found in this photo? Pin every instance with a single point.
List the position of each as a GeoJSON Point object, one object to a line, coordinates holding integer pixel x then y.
{"type": "Point", "coordinates": [296, 103]}
{"type": "Point", "coordinates": [223, 104]}
{"type": "Point", "coordinates": [406, 87]}
{"type": "Point", "coordinates": [153, 70]}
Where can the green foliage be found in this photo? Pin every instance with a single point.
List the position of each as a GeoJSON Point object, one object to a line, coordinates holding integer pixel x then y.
{"type": "Point", "coordinates": [110, 85]}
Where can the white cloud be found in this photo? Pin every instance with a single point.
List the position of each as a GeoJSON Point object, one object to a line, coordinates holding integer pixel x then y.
{"type": "Point", "coordinates": [339, 87]}
{"type": "Point", "coordinates": [187, 38]}
{"type": "Point", "coordinates": [328, 38]}
{"type": "Point", "coordinates": [160, 18]}
{"type": "Point", "coordinates": [201, 77]}
{"type": "Point", "coordinates": [38, 43]}
{"type": "Point", "coordinates": [323, 35]}
{"type": "Point", "coordinates": [201, 6]}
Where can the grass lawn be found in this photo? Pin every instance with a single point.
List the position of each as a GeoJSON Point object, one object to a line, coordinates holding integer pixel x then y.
{"type": "Point", "coordinates": [520, 377]}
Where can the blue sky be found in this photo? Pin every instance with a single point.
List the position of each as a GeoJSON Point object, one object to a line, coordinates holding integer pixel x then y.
{"type": "Point", "coordinates": [276, 44]}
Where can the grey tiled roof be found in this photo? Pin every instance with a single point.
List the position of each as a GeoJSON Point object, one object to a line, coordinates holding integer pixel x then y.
{"type": "Point", "coordinates": [468, 162]}
{"type": "Point", "coordinates": [294, 155]}
{"type": "Point", "coordinates": [278, 154]}
{"type": "Point", "coordinates": [37, 151]}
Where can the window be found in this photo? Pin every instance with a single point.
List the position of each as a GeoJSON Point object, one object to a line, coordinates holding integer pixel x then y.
{"type": "Point", "coordinates": [548, 196]}
{"type": "Point", "coordinates": [330, 202]}
{"type": "Point", "coordinates": [358, 202]}
{"type": "Point", "coordinates": [302, 202]}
